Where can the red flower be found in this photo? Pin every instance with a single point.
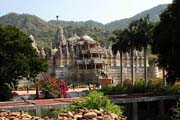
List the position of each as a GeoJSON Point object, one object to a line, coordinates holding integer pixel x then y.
{"type": "Point", "coordinates": [50, 84]}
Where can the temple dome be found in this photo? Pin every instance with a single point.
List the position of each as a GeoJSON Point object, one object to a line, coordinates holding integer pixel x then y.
{"type": "Point", "coordinates": [32, 37]}
{"type": "Point", "coordinates": [87, 38]}
{"type": "Point", "coordinates": [74, 38]}
{"type": "Point", "coordinates": [53, 51]}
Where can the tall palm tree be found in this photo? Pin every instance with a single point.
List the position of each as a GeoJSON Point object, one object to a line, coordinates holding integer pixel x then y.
{"type": "Point", "coordinates": [120, 45]}
{"type": "Point", "coordinates": [131, 46]}
{"type": "Point", "coordinates": [126, 43]}
{"type": "Point", "coordinates": [136, 37]}
{"type": "Point", "coordinates": [142, 33]}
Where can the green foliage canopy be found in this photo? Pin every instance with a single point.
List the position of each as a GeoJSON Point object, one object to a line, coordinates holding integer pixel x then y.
{"type": "Point", "coordinates": [167, 40]}
{"type": "Point", "coordinates": [18, 57]}
{"type": "Point", "coordinates": [136, 36]}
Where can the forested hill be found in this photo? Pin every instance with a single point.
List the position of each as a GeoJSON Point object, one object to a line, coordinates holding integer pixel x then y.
{"type": "Point", "coordinates": [153, 14]}
{"type": "Point", "coordinates": [44, 31]}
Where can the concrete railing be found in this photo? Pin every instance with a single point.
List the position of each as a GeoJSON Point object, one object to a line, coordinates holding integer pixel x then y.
{"type": "Point", "coordinates": [136, 98]}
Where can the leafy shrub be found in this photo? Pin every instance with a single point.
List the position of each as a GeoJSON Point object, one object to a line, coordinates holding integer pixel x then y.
{"type": "Point", "coordinates": [94, 100]}
{"type": "Point", "coordinates": [176, 111]}
{"type": "Point", "coordinates": [5, 92]}
{"type": "Point", "coordinates": [127, 82]}
{"type": "Point", "coordinates": [140, 88]}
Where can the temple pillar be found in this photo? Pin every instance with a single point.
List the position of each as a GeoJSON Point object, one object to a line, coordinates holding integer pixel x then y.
{"type": "Point", "coordinates": [67, 61]}
{"type": "Point", "coordinates": [38, 111]}
{"type": "Point", "coordinates": [142, 61]}
{"type": "Point", "coordinates": [78, 66]}
{"type": "Point", "coordinates": [137, 59]}
{"type": "Point", "coordinates": [135, 111]}
{"type": "Point", "coordinates": [111, 58]}
{"type": "Point", "coordinates": [86, 66]}
{"type": "Point", "coordinates": [161, 107]}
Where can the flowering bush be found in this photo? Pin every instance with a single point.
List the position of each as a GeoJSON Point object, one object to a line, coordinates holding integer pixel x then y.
{"type": "Point", "coordinates": [53, 88]}
{"type": "Point", "coordinates": [63, 88]}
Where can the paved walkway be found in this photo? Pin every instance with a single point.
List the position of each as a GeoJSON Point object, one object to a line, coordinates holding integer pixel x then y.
{"type": "Point", "coordinates": [33, 92]}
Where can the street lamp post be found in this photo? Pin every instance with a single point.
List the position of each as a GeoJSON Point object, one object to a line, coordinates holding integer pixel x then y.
{"type": "Point", "coordinates": [37, 88]}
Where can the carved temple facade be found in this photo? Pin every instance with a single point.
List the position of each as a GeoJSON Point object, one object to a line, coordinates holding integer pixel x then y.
{"type": "Point", "coordinates": [84, 60]}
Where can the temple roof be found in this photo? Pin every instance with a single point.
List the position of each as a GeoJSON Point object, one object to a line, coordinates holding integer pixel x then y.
{"type": "Point", "coordinates": [87, 38]}
{"type": "Point", "coordinates": [53, 51]}
{"type": "Point", "coordinates": [96, 50]}
{"type": "Point", "coordinates": [74, 38]}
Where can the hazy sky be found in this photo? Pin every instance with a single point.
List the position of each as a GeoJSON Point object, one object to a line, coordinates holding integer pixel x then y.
{"type": "Point", "coordinates": [103, 11]}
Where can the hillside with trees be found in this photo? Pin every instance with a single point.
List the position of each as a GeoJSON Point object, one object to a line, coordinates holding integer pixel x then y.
{"type": "Point", "coordinates": [153, 15]}
{"type": "Point", "coordinates": [44, 31]}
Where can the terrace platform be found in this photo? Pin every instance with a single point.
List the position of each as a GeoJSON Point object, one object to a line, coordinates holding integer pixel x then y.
{"type": "Point", "coordinates": [134, 99]}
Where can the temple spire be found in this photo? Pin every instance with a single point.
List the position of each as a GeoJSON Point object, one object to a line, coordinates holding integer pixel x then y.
{"type": "Point", "coordinates": [57, 17]}
{"type": "Point", "coordinates": [60, 38]}
{"type": "Point", "coordinates": [57, 21]}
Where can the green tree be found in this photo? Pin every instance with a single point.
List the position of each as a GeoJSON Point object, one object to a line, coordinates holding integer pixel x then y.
{"type": "Point", "coordinates": [167, 40]}
{"type": "Point", "coordinates": [128, 44]}
{"type": "Point", "coordinates": [120, 45]}
{"type": "Point", "coordinates": [136, 37]}
{"type": "Point", "coordinates": [142, 29]}
{"type": "Point", "coordinates": [18, 58]}
{"type": "Point", "coordinates": [131, 46]}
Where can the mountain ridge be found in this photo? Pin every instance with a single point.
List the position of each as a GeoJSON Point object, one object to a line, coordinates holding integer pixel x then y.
{"type": "Point", "coordinates": [152, 12]}
{"type": "Point", "coordinates": [44, 31]}
{"type": "Point", "coordinates": [156, 10]}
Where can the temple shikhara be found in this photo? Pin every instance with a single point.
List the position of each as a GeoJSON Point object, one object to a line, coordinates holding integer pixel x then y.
{"type": "Point", "coordinates": [82, 60]}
